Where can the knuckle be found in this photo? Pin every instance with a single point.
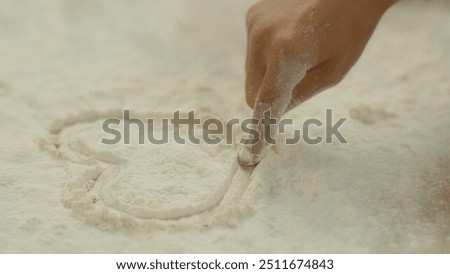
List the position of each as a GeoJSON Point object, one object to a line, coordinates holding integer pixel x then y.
{"type": "Point", "coordinates": [283, 37]}
{"type": "Point", "coordinates": [282, 42]}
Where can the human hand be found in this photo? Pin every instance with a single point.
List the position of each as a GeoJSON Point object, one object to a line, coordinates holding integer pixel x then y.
{"type": "Point", "coordinates": [297, 48]}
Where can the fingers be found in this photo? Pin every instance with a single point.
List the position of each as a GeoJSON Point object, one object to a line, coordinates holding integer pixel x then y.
{"type": "Point", "coordinates": [273, 97]}
{"type": "Point", "coordinates": [271, 94]}
{"type": "Point", "coordinates": [247, 159]}
{"type": "Point", "coordinates": [255, 69]}
{"type": "Point", "coordinates": [318, 78]}
{"type": "Point", "coordinates": [271, 103]}
{"type": "Point", "coordinates": [279, 81]}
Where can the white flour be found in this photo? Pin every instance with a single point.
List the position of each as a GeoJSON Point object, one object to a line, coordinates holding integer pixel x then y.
{"type": "Point", "coordinates": [68, 65]}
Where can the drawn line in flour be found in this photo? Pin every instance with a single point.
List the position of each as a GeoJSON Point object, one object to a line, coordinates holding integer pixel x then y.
{"type": "Point", "coordinates": [98, 189]}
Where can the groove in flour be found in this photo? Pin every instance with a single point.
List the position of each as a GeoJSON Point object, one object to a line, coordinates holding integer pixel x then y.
{"type": "Point", "coordinates": [188, 182]}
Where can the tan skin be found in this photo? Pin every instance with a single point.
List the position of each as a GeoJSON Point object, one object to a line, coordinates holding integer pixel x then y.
{"type": "Point", "coordinates": [297, 48]}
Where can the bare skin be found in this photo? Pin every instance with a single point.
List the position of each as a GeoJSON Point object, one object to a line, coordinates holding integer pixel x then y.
{"type": "Point", "coordinates": [297, 48]}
